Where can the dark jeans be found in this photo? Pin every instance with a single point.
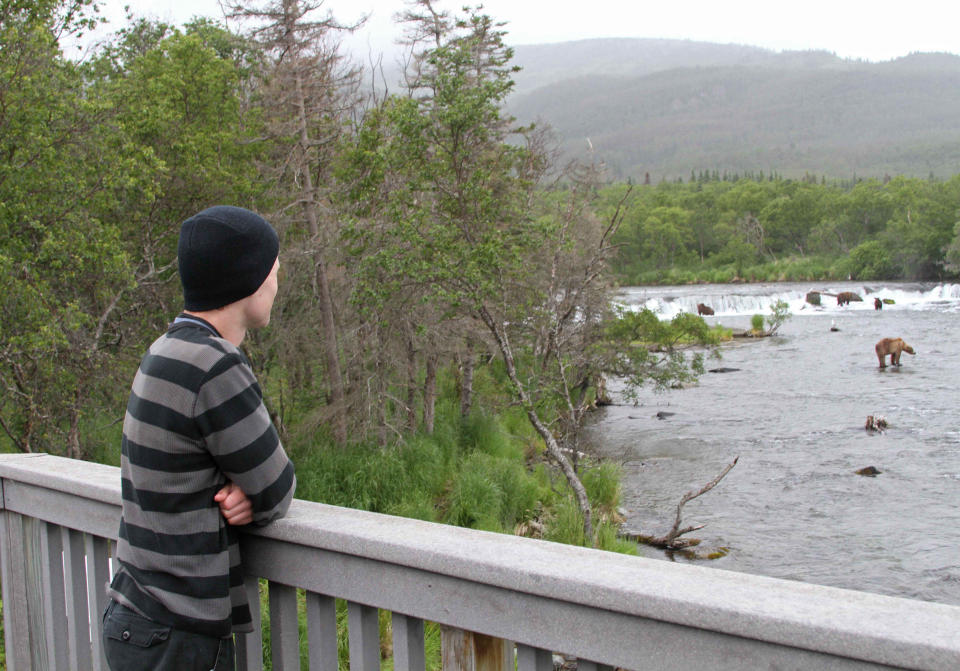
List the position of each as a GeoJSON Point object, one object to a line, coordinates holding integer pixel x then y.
{"type": "Point", "coordinates": [132, 642]}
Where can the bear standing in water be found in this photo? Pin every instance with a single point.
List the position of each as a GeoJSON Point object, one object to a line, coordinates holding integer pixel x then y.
{"type": "Point", "coordinates": [894, 347]}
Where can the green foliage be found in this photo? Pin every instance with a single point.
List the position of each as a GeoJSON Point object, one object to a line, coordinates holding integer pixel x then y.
{"type": "Point", "coordinates": [61, 261]}
{"type": "Point", "coordinates": [779, 313]}
{"type": "Point", "coordinates": [781, 229]}
{"type": "Point", "coordinates": [953, 250]}
{"type": "Point", "coordinates": [477, 478]}
{"type": "Point", "coordinates": [609, 540]}
{"type": "Point", "coordinates": [871, 260]}
{"type": "Point", "coordinates": [602, 482]}
{"type": "Point", "coordinates": [565, 525]}
{"type": "Point", "coordinates": [756, 323]}
{"type": "Point", "coordinates": [650, 350]}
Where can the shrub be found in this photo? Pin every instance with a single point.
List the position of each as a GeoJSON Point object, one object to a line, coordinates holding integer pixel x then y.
{"type": "Point", "coordinates": [565, 525]}
{"type": "Point", "coordinates": [475, 500]}
{"type": "Point", "coordinates": [871, 261]}
{"type": "Point", "coordinates": [607, 539]}
{"type": "Point", "coordinates": [602, 483]}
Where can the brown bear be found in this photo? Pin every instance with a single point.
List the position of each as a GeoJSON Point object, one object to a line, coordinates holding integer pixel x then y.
{"type": "Point", "coordinates": [704, 309]}
{"type": "Point", "coordinates": [846, 297]}
{"type": "Point", "coordinates": [894, 347]}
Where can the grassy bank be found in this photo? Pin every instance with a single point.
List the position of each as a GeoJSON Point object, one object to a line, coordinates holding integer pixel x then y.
{"type": "Point", "coordinates": [794, 269]}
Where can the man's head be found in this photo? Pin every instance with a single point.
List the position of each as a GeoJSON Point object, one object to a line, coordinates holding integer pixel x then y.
{"type": "Point", "coordinates": [224, 255]}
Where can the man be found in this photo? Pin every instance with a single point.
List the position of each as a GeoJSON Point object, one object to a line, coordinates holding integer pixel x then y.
{"type": "Point", "coordinates": [200, 456]}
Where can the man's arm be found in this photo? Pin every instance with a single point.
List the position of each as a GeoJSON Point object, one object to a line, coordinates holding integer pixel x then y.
{"type": "Point", "coordinates": [243, 441]}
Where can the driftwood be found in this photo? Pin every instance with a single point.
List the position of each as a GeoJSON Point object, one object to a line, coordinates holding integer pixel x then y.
{"type": "Point", "coordinates": [671, 540]}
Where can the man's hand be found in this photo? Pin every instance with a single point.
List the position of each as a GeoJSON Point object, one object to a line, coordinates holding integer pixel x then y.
{"type": "Point", "coordinates": [234, 505]}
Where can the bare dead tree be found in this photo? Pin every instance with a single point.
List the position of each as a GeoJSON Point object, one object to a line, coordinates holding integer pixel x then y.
{"type": "Point", "coordinates": [672, 539]}
{"type": "Point", "coordinates": [312, 89]}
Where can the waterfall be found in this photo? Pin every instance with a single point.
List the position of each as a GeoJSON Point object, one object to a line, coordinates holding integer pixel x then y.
{"type": "Point", "coordinates": [736, 299]}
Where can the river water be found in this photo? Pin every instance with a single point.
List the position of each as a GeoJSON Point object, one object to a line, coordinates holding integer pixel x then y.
{"type": "Point", "coordinates": [794, 413]}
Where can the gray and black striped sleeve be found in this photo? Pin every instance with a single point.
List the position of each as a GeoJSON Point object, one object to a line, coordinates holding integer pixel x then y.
{"type": "Point", "coordinates": [236, 428]}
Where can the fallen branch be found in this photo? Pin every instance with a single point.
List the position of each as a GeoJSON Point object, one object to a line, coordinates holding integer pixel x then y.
{"type": "Point", "coordinates": [671, 540]}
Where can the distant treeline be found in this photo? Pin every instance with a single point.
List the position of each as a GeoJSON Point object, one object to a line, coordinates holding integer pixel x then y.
{"type": "Point", "coordinates": [728, 227]}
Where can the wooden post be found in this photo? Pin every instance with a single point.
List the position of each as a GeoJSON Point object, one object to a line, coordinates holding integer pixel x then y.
{"type": "Point", "coordinates": [468, 651]}
{"type": "Point", "coordinates": [16, 622]}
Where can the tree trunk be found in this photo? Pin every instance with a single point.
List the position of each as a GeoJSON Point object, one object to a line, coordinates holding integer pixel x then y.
{"type": "Point", "coordinates": [381, 396]}
{"type": "Point", "coordinates": [73, 438]}
{"type": "Point", "coordinates": [411, 382]}
{"type": "Point", "coordinates": [553, 447]}
{"type": "Point", "coordinates": [430, 394]}
{"type": "Point", "coordinates": [332, 356]}
{"type": "Point", "coordinates": [467, 366]}
{"type": "Point", "coordinates": [331, 350]}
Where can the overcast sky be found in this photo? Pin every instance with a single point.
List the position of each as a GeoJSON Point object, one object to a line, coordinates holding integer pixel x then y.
{"type": "Point", "coordinates": [876, 30]}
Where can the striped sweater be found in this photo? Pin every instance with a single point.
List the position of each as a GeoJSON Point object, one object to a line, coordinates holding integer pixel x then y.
{"type": "Point", "coordinates": [195, 420]}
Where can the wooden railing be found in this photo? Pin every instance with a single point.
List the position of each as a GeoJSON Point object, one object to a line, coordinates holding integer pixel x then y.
{"type": "Point", "coordinates": [605, 610]}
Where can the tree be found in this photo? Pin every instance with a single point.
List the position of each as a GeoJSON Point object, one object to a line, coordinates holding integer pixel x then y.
{"type": "Point", "coordinates": [180, 100]}
{"type": "Point", "coordinates": [779, 313]}
{"type": "Point", "coordinates": [790, 217]}
{"type": "Point", "coordinates": [871, 260]}
{"type": "Point", "coordinates": [952, 252]}
{"type": "Point", "coordinates": [307, 91]}
{"type": "Point", "coordinates": [61, 259]}
{"type": "Point", "coordinates": [459, 221]}
{"type": "Point", "coordinates": [666, 235]}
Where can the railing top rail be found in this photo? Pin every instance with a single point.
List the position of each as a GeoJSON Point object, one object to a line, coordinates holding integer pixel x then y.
{"type": "Point", "coordinates": [847, 622]}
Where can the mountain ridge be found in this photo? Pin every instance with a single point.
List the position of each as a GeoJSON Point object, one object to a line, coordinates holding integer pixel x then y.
{"type": "Point", "coordinates": [670, 107]}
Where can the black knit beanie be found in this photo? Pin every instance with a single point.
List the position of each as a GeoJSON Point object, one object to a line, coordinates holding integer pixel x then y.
{"type": "Point", "coordinates": [224, 254]}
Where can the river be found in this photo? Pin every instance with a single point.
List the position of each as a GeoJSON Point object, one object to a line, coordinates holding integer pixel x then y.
{"type": "Point", "coordinates": [794, 413]}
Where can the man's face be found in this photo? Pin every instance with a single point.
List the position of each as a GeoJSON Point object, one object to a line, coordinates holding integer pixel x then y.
{"type": "Point", "coordinates": [261, 302]}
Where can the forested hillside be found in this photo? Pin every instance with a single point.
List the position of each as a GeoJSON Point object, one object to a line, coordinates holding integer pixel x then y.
{"type": "Point", "coordinates": [666, 108]}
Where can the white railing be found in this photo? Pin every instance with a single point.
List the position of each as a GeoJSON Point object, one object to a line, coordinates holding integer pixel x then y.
{"type": "Point", "coordinates": [60, 519]}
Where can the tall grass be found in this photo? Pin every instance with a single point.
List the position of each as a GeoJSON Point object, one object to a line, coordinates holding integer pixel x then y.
{"type": "Point", "coordinates": [789, 269]}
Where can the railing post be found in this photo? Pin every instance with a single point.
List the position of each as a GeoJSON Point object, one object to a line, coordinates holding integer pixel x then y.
{"type": "Point", "coordinates": [364, 633]}
{"type": "Point", "coordinates": [533, 659]}
{"type": "Point", "coordinates": [408, 652]}
{"type": "Point", "coordinates": [469, 651]}
{"type": "Point", "coordinates": [284, 628]}
{"type": "Point", "coordinates": [75, 587]}
{"type": "Point", "coordinates": [322, 632]}
{"type": "Point", "coordinates": [16, 622]}
{"type": "Point", "coordinates": [250, 646]}
{"type": "Point", "coordinates": [97, 561]}
{"type": "Point", "coordinates": [54, 601]}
